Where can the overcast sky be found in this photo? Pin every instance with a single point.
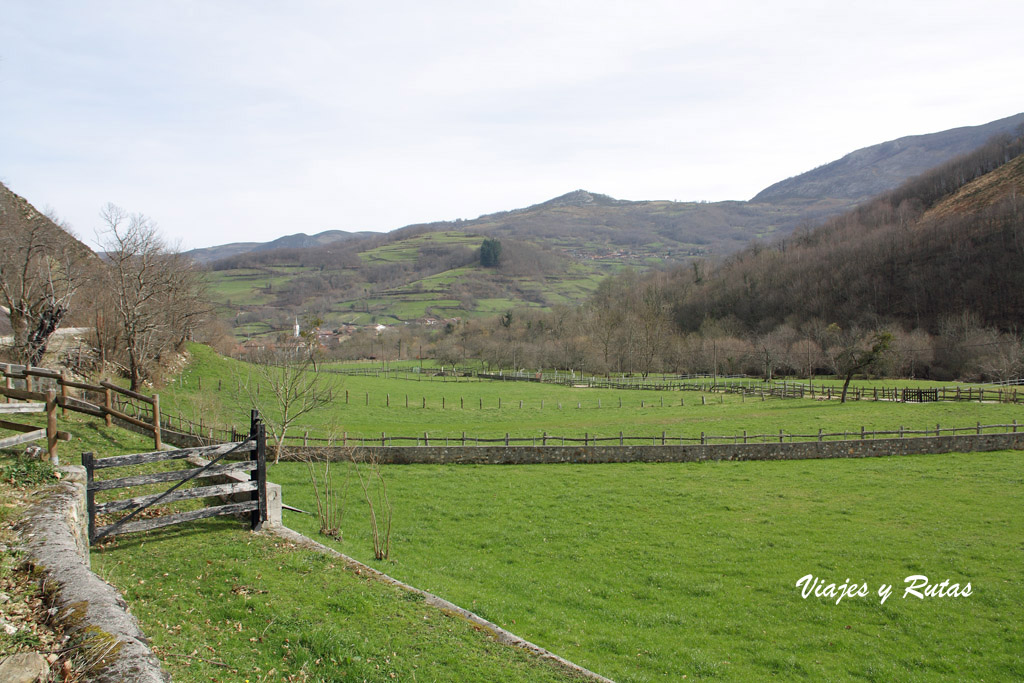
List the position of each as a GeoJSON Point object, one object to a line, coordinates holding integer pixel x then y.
{"type": "Point", "coordinates": [244, 121]}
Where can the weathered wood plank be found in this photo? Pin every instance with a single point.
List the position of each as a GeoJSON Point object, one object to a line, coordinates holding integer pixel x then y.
{"type": "Point", "coordinates": [84, 386]}
{"type": "Point", "coordinates": [80, 406]}
{"type": "Point", "coordinates": [17, 427]}
{"type": "Point", "coordinates": [12, 441]}
{"type": "Point", "coordinates": [173, 475]}
{"type": "Point", "coordinates": [129, 419]}
{"type": "Point", "coordinates": [180, 494]}
{"type": "Point", "coordinates": [168, 520]}
{"type": "Point", "coordinates": [208, 452]}
{"type": "Point", "coordinates": [22, 394]}
{"type": "Point", "coordinates": [22, 407]}
{"type": "Point", "coordinates": [127, 392]}
{"type": "Point", "coordinates": [41, 372]}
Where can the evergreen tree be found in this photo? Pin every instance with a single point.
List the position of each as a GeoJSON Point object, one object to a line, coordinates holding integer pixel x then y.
{"type": "Point", "coordinates": [490, 253]}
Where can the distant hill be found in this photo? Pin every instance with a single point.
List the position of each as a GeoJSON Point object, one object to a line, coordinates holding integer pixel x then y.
{"type": "Point", "coordinates": [297, 241]}
{"type": "Point", "coordinates": [873, 170]}
{"type": "Point", "coordinates": [587, 225]}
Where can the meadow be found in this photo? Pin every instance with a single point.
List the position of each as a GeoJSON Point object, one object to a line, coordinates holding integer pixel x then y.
{"type": "Point", "coordinates": [648, 572]}
{"type": "Point", "coordinates": [641, 572]}
{"type": "Point", "coordinates": [209, 389]}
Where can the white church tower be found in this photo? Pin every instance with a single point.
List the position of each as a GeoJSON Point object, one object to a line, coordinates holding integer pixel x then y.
{"type": "Point", "coordinates": [296, 328]}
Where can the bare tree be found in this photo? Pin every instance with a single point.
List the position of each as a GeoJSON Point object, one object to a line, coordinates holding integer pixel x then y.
{"type": "Point", "coordinates": [156, 296]}
{"type": "Point", "coordinates": [41, 268]}
{"type": "Point", "coordinates": [283, 385]}
{"type": "Point", "coordinates": [331, 501]}
{"type": "Point", "coordinates": [375, 493]}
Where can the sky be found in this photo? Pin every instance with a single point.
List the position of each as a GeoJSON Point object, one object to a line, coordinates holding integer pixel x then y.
{"type": "Point", "coordinates": [229, 121]}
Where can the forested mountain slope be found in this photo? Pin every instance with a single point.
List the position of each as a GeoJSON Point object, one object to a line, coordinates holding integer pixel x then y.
{"type": "Point", "coordinates": [947, 244]}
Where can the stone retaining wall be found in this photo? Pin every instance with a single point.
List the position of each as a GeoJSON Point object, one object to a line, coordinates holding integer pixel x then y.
{"type": "Point", "coordinates": [93, 613]}
{"type": "Point", "coordinates": [801, 450]}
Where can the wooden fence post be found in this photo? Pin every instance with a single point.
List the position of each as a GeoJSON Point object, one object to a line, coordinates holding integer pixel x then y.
{"type": "Point", "coordinates": [156, 421]}
{"type": "Point", "coordinates": [63, 396]}
{"type": "Point", "coordinates": [90, 495]}
{"type": "Point", "coordinates": [51, 426]}
{"type": "Point", "coordinates": [259, 431]}
{"type": "Point", "coordinates": [107, 405]}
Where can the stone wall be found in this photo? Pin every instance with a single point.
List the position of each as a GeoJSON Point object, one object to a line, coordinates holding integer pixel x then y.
{"type": "Point", "coordinates": [92, 613]}
{"type": "Point", "coordinates": [802, 450]}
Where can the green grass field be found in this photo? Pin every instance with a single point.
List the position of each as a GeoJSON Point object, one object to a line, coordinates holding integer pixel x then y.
{"type": "Point", "coordinates": [379, 405]}
{"type": "Point", "coordinates": [641, 572]}
{"type": "Point", "coordinates": [663, 572]}
{"type": "Point", "coordinates": [219, 603]}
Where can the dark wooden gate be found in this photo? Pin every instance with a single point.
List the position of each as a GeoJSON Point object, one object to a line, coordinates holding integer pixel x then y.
{"type": "Point", "coordinates": [919, 395]}
{"type": "Point", "coordinates": [256, 485]}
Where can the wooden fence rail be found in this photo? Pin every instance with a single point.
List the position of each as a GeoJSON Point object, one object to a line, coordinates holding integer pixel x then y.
{"type": "Point", "coordinates": [29, 433]}
{"type": "Point", "coordinates": [664, 439]}
{"type": "Point", "coordinates": [113, 401]}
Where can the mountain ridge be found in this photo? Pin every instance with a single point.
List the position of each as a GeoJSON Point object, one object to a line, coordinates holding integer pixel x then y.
{"type": "Point", "coordinates": [592, 225]}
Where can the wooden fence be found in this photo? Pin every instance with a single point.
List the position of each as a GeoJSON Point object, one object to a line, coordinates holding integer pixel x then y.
{"type": "Point", "coordinates": [745, 386]}
{"type": "Point", "coordinates": [256, 486]}
{"type": "Point", "coordinates": [109, 401]}
{"type": "Point", "coordinates": [29, 433]}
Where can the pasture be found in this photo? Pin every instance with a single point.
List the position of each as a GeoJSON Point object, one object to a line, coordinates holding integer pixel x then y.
{"type": "Point", "coordinates": [646, 572]}
{"type": "Point", "coordinates": [650, 572]}
{"type": "Point", "coordinates": [209, 389]}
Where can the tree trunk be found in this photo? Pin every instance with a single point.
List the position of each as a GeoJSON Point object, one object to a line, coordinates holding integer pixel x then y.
{"type": "Point", "coordinates": [846, 385]}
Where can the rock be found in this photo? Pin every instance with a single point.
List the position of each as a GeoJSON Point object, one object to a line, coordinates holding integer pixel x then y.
{"type": "Point", "coordinates": [9, 629]}
{"type": "Point", "coordinates": [27, 667]}
{"type": "Point", "coordinates": [4, 597]}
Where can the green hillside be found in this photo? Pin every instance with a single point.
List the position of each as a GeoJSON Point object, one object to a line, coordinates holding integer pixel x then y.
{"type": "Point", "coordinates": [393, 281]}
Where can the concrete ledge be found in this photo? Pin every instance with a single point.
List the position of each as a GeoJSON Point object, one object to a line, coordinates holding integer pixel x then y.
{"type": "Point", "coordinates": [274, 501]}
{"type": "Point", "coordinates": [93, 613]}
{"type": "Point", "coordinates": [501, 635]}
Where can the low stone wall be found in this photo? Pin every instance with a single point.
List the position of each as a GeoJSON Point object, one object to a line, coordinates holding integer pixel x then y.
{"type": "Point", "coordinates": [801, 450]}
{"type": "Point", "coordinates": [93, 613]}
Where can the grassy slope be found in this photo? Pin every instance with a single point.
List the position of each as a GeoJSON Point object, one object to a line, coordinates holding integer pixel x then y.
{"type": "Point", "coordinates": [270, 612]}
{"type": "Point", "coordinates": [656, 572]}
